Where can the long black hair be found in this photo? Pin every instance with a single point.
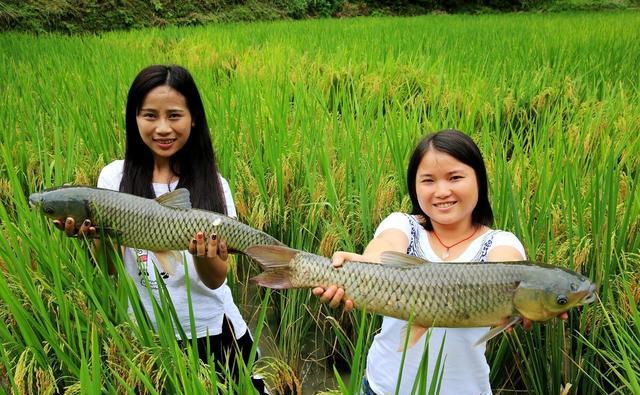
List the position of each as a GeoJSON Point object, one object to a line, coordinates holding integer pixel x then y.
{"type": "Point", "coordinates": [461, 147]}
{"type": "Point", "coordinates": [194, 164]}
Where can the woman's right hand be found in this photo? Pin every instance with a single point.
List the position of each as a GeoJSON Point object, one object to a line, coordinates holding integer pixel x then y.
{"type": "Point", "coordinates": [86, 229]}
{"type": "Point", "coordinates": [333, 294]}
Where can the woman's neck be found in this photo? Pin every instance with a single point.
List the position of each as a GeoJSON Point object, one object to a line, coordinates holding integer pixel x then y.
{"type": "Point", "coordinates": [162, 173]}
{"type": "Point", "coordinates": [453, 232]}
{"type": "Point", "coordinates": [450, 241]}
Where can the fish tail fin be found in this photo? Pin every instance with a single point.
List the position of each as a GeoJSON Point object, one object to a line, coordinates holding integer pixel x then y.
{"type": "Point", "coordinates": [276, 263]}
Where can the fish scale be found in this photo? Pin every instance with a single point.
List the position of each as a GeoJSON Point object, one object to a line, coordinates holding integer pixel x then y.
{"type": "Point", "coordinates": [164, 224]}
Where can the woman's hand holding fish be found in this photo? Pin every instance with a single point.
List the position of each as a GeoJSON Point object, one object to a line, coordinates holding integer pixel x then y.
{"type": "Point", "coordinates": [389, 240]}
{"type": "Point", "coordinates": [210, 257]}
{"type": "Point", "coordinates": [334, 295]}
{"type": "Point", "coordinates": [527, 324]}
{"type": "Point", "coordinates": [339, 258]}
{"type": "Point", "coordinates": [86, 229]}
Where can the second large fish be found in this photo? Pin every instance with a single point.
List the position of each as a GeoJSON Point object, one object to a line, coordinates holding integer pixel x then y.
{"type": "Point", "coordinates": [167, 223]}
{"type": "Point", "coordinates": [434, 294]}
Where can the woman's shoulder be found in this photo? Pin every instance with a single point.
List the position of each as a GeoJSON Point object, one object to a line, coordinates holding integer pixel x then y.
{"type": "Point", "coordinates": [223, 181]}
{"type": "Point", "coordinates": [114, 167]}
{"type": "Point", "coordinates": [111, 175]}
{"type": "Point", "coordinates": [398, 220]}
{"type": "Point", "coordinates": [503, 237]}
{"type": "Point", "coordinates": [228, 197]}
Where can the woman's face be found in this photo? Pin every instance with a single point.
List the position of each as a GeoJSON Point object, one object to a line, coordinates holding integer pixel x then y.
{"type": "Point", "coordinates": [164, 122]}
{"type": "Point", "coordinates": [447, 189]}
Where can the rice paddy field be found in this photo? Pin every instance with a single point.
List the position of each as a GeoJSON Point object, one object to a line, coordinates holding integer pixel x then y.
{"type": "Point", "coordinates": [313, 123]}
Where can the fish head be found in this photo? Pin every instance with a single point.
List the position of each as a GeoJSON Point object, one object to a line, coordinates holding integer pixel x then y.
{"type": "Point", "coordinates": [61, 203]}
{"type": "Point", "coordinates": [550, 291]}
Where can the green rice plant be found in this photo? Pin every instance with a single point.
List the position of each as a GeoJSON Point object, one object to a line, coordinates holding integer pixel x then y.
{"type": "Point", "coordinates": [620, 347]}
{"type": "Point", "coordinates": [313, 122]}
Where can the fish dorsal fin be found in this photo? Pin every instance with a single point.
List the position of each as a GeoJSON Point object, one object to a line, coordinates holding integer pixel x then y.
{"type": "Point", "coordinates": [398, 259]}
{"type": "Point", "coordinates": [498, 330]}
{"type": "Point", "coordinates": [178, 199]}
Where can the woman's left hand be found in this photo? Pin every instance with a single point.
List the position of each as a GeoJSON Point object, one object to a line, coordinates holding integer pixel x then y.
{"type": "Point", "coordinates": [210, 256]}
{"type": "Point", "coordinates": [527, 324]}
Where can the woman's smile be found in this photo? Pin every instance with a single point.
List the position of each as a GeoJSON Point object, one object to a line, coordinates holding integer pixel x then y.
{"type": "Point", "coordinates": [447, 189]}
{"type": "Point", "coordinates": [164, 144]}
{"type": "Point", "coordinates": [444, 205]}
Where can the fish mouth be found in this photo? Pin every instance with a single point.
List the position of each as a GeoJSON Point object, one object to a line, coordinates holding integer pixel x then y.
{"type": "Point", "coordinates": [590, 295]}
{"type": "Point", "coordinates": [35, 200]}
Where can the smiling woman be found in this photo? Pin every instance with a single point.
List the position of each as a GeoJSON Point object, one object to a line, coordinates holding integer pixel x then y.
{"type": "Point", "coordinates": [448, 196]}
{"type": "Point", "coordinates": [168, 147]}
{"type": "Point", "coordinates": [165, 123]}
{"type": "Point", "coordinates": [168, 93]}
{"type": "Point", "coordinates": [450, 221]}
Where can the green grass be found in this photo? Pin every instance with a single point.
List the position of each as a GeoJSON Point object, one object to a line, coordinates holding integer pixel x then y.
{"type": "Point", "coordinates": [313, 123]}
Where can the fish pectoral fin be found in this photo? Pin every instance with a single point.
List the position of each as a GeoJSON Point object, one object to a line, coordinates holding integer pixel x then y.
{"type": "Point", "coordinates": [179, 199]}
{"type": "Point", "coordinates": [398, 259]}
{"type": "Point", "coordinates": [415, 333]}
{"type": "Point", "coordinates": [498, 329]}
{"type": "Point", "coordinates": [276, 279]}
{"type": "Point", "coordinates": [165, 259]}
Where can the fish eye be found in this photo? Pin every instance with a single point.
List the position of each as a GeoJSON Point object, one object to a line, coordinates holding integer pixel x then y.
{"type": "Point", "coordinates": [48, 210]}
{"type": "Point", "coordinates": [562, 300]}
{"type": "Point", "coordinates": [573, 287]}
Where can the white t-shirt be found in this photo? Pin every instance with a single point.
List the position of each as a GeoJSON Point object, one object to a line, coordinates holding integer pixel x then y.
{"type": "Point", "coordinates": [465, 369]}
{"type": "Point", "coordinates": [209, 305]}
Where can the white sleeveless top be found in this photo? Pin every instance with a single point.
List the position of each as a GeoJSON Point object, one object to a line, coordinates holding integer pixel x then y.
{"type": "Point", "coordinates": [209, 305]}
{"type": "Point", "coordinates": [464, 366]}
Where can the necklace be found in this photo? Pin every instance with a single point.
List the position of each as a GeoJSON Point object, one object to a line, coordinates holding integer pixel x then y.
{"type": "Point", "coordinates": [445, 254]}
{"type": "Point", "coordinates": [169, 181]}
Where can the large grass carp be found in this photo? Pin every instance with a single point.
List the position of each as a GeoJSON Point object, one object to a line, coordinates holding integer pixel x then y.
{"type": "Point", "coordinates": [433, 294]}
{"type": "Point", "coordinates": [167, 223]}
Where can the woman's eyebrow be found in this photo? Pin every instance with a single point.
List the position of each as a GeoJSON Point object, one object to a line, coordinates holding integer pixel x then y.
{"type": "Point", "coordinates": [454, 171]}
